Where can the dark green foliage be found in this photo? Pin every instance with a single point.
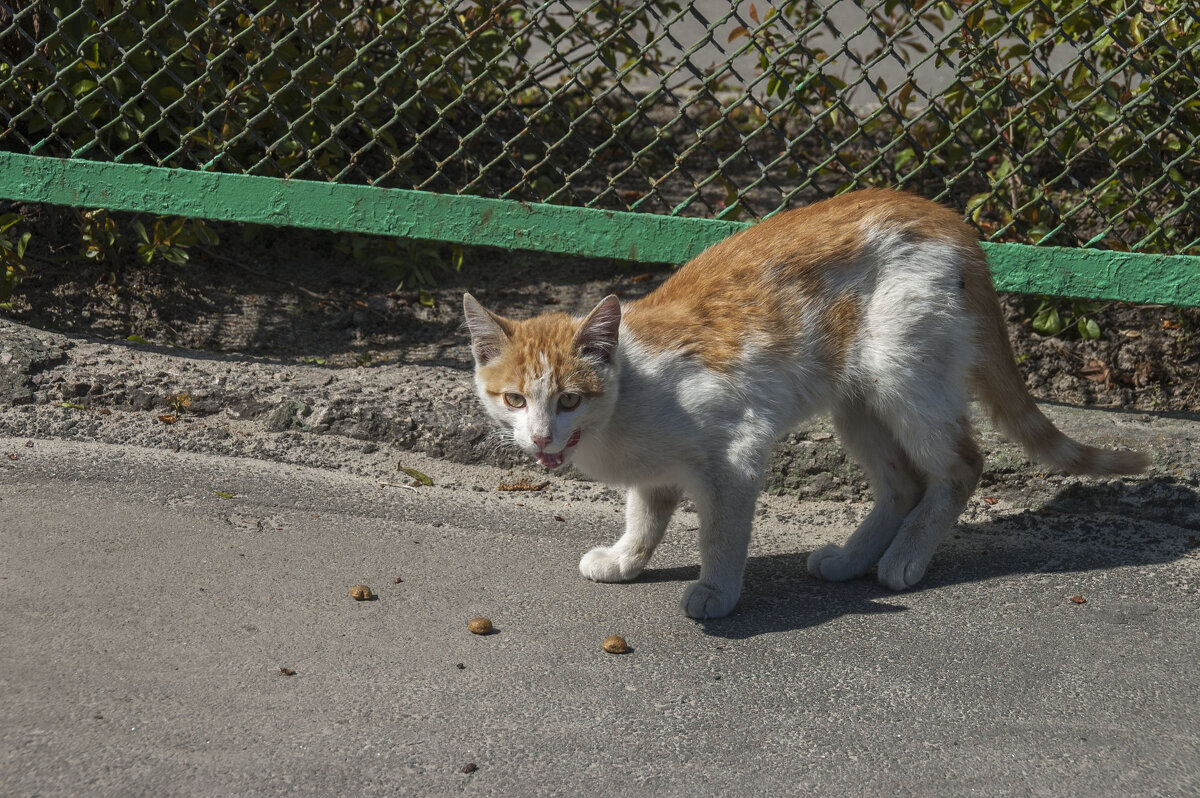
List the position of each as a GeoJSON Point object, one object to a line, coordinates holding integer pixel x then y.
{"type": "Point", "coordinates": [12, 254]}
{"type": "Point", "coordinates": [335, 90]}
{"type": "Point", "coordinates": [170, 239]}
{"type": "Point", "coordinates": [1070, 122]}
{"type": "Point", "coordinates": [408, 263]}
{"type": "Point", "coordinates": [1051, 316]}
{"type": "Point", "coordinates": [1066, 121]}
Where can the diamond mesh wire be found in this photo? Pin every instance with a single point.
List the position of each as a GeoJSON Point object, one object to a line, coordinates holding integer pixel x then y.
{"type": "Point", "coordinates": [1050, 121]}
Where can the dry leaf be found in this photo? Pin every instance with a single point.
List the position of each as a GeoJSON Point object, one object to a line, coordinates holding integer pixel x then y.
{"type": "Point", "coordinates": [522, 484]}
{"type": "Point", "coordinates": [415, 474]}
{"type": "Point", "coordinates": [1145, 372]}
{"type": "Point", "coordinates": [1095, 371]}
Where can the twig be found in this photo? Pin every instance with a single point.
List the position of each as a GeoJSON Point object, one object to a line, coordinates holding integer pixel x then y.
{"type": "Point", "coordinates": [397, 485]}
{"type": "Point", "coordinates": [1188, 398]}
{"type": "Point", "coordinates": [264, 275]}
{"type": "Point", "coordinates": [307, 292]}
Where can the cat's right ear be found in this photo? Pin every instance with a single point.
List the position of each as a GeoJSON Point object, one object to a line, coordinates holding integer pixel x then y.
{"type": "Point", "coordinates": [489, 332]}
{"type": "Point", "coordinates": [598, 332]}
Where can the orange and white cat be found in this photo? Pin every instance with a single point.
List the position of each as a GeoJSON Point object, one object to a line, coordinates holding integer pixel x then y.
{"type": "Point", "coordinates": [875, 305]}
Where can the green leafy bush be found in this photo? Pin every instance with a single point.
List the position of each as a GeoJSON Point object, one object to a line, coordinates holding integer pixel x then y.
{"type": "Point", "coordinates": [1064, 121]}
{"type": "Point", "coordinates": [98, 236]}
{"type": "Point", "coordinates": [408, 263]}
{"type": "Point", "coordinates": [1067, 121]}
{"type": "Point", "coordinates": [170, 239]}
{"type": "Point", "coordinates": [342, 90]}
{"type": "Point", "coordinates": [1052, 316]}
{"type": "Point", "coordinates": [12, 254]}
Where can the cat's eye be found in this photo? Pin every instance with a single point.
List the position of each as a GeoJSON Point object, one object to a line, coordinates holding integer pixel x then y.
{"type": "Point", "coordinates": [569, 401]}
{"type": "Point", "coordinates": [514, 400]}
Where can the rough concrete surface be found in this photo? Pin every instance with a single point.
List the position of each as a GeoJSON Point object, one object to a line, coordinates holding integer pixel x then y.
{"type": "Point", "coordinates": [155, 577]}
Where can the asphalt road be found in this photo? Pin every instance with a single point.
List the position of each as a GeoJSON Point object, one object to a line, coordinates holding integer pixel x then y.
{"type": "Point", "coordinates": [149, 599]}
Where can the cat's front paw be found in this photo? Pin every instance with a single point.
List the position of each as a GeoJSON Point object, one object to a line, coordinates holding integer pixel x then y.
{"type": "Point", "coordinates": [900, 572]}
{"type": "Point", "coordinates": [603, 564]}
{"type": "Point", "coordinates": [702, 601]}
{"type": "Point", "coordinates": [833, 564]}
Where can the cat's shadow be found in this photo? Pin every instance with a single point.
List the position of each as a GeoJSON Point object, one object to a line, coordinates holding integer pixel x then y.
{"type": "Point", "coordinates": [1083, 528]}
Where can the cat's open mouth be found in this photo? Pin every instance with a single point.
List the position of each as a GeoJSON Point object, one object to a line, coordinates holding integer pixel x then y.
{"type": "Point", "coordinates": [555, 460]}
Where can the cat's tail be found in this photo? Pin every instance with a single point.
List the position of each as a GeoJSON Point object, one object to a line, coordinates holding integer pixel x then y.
{"type": "Point", "coordinates": [1001, 387]}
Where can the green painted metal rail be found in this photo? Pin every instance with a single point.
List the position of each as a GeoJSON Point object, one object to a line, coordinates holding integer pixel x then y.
{"type": "Point", "coordinates": [1059, 271]}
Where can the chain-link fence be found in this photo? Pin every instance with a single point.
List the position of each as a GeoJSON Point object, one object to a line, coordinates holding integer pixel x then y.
{"type": "Point", "coordinates": [1048, 121]}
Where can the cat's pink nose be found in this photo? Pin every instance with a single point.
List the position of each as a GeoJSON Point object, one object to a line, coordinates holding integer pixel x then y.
{"type": "Point", "coordinates": [541, 443]}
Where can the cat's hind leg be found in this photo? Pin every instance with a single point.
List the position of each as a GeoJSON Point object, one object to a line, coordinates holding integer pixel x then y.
{"type": "Point", "coordinates": [953, 464]}
{"type": "Point", "coordinates": [648, 509]}
{"type": "Point", "coordinates": [894, 481]}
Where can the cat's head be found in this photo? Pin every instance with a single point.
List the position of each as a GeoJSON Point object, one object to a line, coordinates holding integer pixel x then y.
{"type": "Point", "coordinates": [549, 381]}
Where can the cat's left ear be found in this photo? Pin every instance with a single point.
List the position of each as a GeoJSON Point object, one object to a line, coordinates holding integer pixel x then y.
{"type": "Point", "coordinates": [597, 334]}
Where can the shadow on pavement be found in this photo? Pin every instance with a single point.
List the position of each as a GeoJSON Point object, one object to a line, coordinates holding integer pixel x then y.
{"type": "Point", "coordinates": [1082, 528]}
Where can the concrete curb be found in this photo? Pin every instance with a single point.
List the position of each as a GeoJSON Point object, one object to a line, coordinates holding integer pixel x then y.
{"type": "Point", "coordinates": [57, 386]}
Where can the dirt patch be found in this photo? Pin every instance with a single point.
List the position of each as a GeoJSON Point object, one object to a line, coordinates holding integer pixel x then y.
{"type": "Point", "coordinates": [298, 296]}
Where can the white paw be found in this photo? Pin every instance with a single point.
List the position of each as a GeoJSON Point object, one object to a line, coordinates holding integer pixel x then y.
{"type": "Point", "coordinates": [900, 572]}
{"type": "Point", "coordinates": [702, 601]}
{"type": "Point", "coordinates": [606, 565]}
{"type": "Point", "coordinates": [832, 564]}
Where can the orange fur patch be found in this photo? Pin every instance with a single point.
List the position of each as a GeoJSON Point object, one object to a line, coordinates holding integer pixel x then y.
{"type": "Point", "coordinates": [535, 346]}
{"type": "Point", "coordinates": [730, 295]}
{"type": "Point", "coordinates": [842, 322]}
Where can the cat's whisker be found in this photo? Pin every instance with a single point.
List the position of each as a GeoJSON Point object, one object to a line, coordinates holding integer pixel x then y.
{"type": "Point", "coordinates": [500, 440]}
